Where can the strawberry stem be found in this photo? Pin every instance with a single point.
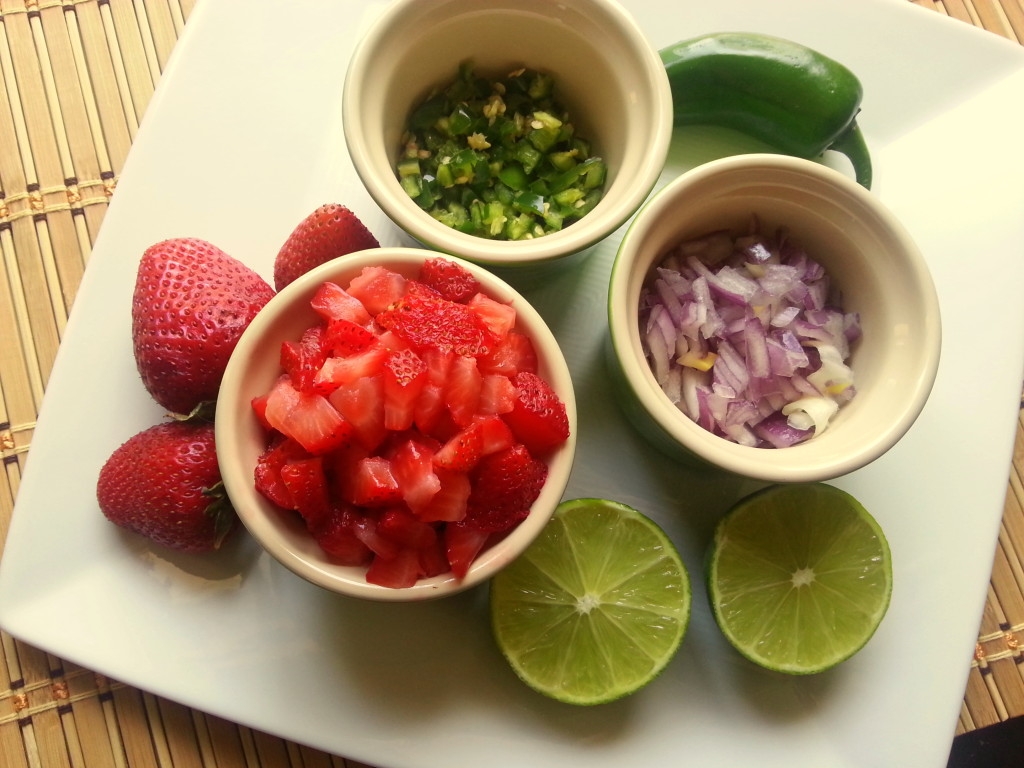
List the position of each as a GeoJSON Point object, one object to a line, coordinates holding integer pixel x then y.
{"type": "Point", "coordinates": [221, 512]}
{"type": "Point", "coordinates": [204, 411]}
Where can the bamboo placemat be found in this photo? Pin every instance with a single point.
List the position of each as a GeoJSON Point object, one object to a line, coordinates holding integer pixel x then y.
{"type": "Point", "coordinates": [77, 76]}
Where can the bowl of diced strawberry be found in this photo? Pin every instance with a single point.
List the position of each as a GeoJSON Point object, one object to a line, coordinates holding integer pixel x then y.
{"type": "Point", "coordinates": [396, 425]}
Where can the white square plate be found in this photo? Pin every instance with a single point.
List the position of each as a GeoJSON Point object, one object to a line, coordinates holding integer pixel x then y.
{"type": "Point", "coordinates": [244, 138]}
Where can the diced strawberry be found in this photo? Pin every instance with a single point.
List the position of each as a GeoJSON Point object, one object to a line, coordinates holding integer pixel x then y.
{"type": "Point", "coordinates": [361, 403]}
{"type": "Point", "coordinates": [419, 288]}
{"type": "Point", "coordinates": [449, 503]}
{"type": "Point", "coordinates": [413, 467]}
{"type": "Point", "coordinates": [302, 359]}
{"type": "Point", "coordinates": [281, 399]}
{"type": "Point", "coordinates": [373, 484]}
{"type": "Point", "coordinates": [318, 426]}
{"type": "Point", "coordinates": [504, 487]}
{"type": "Point", "coordinates": [462, 451]}
{"type": "Point", "coordinates": [387, 431]}
{"type": "Point", "coordinates": [433, 559]}
{"type": "Point", "coordinates": [378, 288]}
{"type": "Point", "coordinates": [307, 486]}
{"type": "Point", "coordinates": [497, 316]}
{"type": "Point", "coordinates": [402, 570]}
{"type": "Point", "coordinates": [343, 337]}
{"type": "Point", "coordinates": [364, 527]}
{"type": "Point", "coordinates": [332, 302]}
{"type": "Point", "coordinates": [450, 279]}
{"type": "Point", "coordinates": [538, 418]}
{"type": "Point", "coordinates": [439, 363]}
{"type": "Point", "coordinates": [497, 394]}
{"type": "Point", "coordinates": [336, 536]}
{"type": "Point", "coordinates": [338, 371]}
{"type": "Point", "coordinates": [308, 418]}
{"type": "Point", "coordinates": [428, 408]}
{"type": "Point", "coordinates": [462, 390]}
{"type": "Point", "coordinates": [430, 404]}
{"type": "Point", "coordinates": [406, 529]}
{"type": "Point", "coordinates": [513, 354]}
{"type": "Point", "coordinates": [495, 434]}
{"type": "Point", "coordinates": [462, 545]}
{"type": "Point", "coordinates": [259, 407]}
{"type": "Point", "coordinates": [426, 322]}
{"type": "Point", "coordinates": [405, 374]}
{"type": "Point", "coordinates": [340, 468]}
{"type": "Point", "coordinates": [267, 474]}
{"type": "Point", "coordinates": [393, 342]}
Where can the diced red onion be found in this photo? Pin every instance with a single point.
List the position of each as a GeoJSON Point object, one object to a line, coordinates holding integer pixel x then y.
{"type": "Point", "coordinates": [744, 336]}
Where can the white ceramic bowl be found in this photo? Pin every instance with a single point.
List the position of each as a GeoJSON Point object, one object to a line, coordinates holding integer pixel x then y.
{"type": "Point", "coordinates": [609, 78]}
{"type": "Point", "coordinates": [253, 368]}
{"type": "Point", "coordinates": [869, 257]}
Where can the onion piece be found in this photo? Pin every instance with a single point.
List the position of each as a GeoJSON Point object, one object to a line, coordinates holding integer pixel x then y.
{"type": "Point", "coordinates": [744, 336]}
{"type": "Point", "coordinates": [810, 413]}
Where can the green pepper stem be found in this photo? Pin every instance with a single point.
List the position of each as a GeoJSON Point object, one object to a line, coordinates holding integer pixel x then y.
{"type": "Point", "coordinates": [852, 144]}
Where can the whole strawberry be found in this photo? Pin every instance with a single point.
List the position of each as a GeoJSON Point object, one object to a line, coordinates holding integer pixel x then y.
{"type": "Point", "coordinates": [164, 483]}
{"type": "Point", "coordinates": [332, 230]}
{"type": "Point", "coordinates": [191, 304]}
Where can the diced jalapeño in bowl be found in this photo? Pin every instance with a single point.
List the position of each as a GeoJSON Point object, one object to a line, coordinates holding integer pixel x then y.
{"type": "Point", "coordinates": [499, 158]}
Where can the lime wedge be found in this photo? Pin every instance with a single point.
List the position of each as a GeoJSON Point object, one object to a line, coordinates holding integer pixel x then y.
{"type": "Point", "coordinates": [799, 577]}
{"type": "Point", "coordinates": [595, 608]}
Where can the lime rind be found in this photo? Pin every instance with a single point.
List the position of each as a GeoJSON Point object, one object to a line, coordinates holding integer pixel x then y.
{"type": "Point", "coordinates": [596, 608]}
{"type": "Point", "coordinates": [779, 538]}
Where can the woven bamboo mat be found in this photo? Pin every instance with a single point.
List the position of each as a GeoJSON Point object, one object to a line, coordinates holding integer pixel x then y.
{"type": "Point", "coordinates": [77, 76]}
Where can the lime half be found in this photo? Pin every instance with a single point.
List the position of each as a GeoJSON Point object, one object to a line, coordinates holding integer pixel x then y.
{"type": "Point", "coordinates": [799, 577]}
{"type": "Point", "coordinates": [596, 607]}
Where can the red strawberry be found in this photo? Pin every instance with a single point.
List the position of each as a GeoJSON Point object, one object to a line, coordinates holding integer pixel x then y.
{"type": "Point", "coordinates": [462, 544]}
{"type": "Point", "coordinates": [513, 354]}
{"type": "Point", "coordinates": [378, 288]}
{"type": "Point", "coordinates": [494, 434]}
{"type": "Point", "coordinates": [267, 475]}
{"type": "Point", "coordinates": [307, 418]}
{"type": "Point", "coordinates": [343, 337]}
{"type": "Point", "coordinates": [330, 231]}
{"type": "Point", "coordinates": [361, 402]}
{"type": "Point", "coordinates": [307, 486]}
{"type": "Point", "coordinates": [405, 529]}
{"type": "Point", "coordinates": [451, 280]}
{"type": "Point", "coordinates": [339, 371]}
{"type": "Point", "coordinates": [498, 317]}
{"type": "Point", "coordinates": [538, 417]}
{"type": "Point", "coordinates": [302, 359]}
{"type": "Point", "coordinates": [462, 390]}
{"type": "Point", "coordinates": [164, 483]}
{"type": "Point", "coordinates": [431, 322]}
{"type": "Point", "coordinates": [191, 303]}
{"type": "Point", "coordinates": [504, 486]}
{"type": "Point", "coordinates": [404, 376]}
{"type": "Point", "coordinates": [497, 394]}
{"type": "Point", "coordinates": [373, 484]}
{"type": "Point", "coordinates": [449, 503]}
{"type": "Point", "coordinates": [332, 302]}
{"type": "Point", "coordinates": [462, 451]}
{"type": "Point", "coordinates": [430, 404]}
{"type": "Point", "coordinates": [413, 468]}
{"type": "Point", "coordinates": [364, 526]}
{"type": "Point", "coordinates": [335, 535]}
{"type": "Point", "coordinates": [402, 570]}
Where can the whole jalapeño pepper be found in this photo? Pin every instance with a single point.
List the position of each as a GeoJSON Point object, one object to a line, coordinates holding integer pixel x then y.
{"type": "Point", "coordinates": [789, 96]}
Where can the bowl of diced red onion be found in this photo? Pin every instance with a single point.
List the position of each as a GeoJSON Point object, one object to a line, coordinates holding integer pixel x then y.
{"type": "Point", "coordinates": [396, 425]}
{"type": "Point", "coordinates": [771, 318]}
